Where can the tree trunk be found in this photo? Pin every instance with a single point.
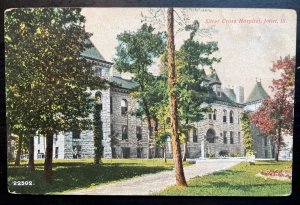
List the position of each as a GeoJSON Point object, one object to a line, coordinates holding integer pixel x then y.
{"type": "Point", "coordinates": [184, 151]}
{"type": "Point", "coordinates": [48, 157]}
{"type": "Point", "coordinates": [18, 156]}
{"type": "Point", "coordinates": [31, 154]}
{"type": "Point", "coordinates": [165, 154]}
{"type": "Point", "coordinates": [149, 125]}
{"type": "Point", "coordinates": [278, 142]}
{"type": "Point", "coordinates": [179, 174]}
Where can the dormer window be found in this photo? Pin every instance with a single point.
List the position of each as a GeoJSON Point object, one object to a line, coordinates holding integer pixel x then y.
{"type": "Point", "coordinates": [98, 71]}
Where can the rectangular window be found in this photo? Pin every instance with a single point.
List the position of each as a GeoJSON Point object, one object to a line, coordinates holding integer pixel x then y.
{"type": "Point", "coordinates": [139, 133]}
{"type": "Point", "coordinates": [111, 105]}
{"type": "Point", "coordinates": [126, 152]}
{"type": "Point", "coordinates": [56, 152]}
{"type": "Point", "coordinates": [111, 129]}
{"type": "Point", "coordinates": [231, 137]}
{"type": "Point", "coordinates": [265, 141]}
{"type": "Point", "coordinates": [239, 137]}
{"type": "Point", "coordinates": [39, 139]}
{"type": "Point", "coordinates": [224, 118]}
{"type": "Point", "coordinates": [124, 132]}
{"type": "Point", "coordinates": [139, 152]}
{"type": "Point", "coordinates": [209, 116]}
{"type": "Point", "coordinates": [76, 133]}
{"type": "Point", "coordinates": [224, 137]}
{"type": "Point", "coordinates": [195, 138]}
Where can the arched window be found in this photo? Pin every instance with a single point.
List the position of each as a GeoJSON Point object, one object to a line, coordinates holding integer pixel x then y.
{"type": "Point", "coordinates": [210, 136]}
{"type": "Point", "coordinates": [124, 107]}
{"type": "Point", "coordinates": [215, 114]}
{"type": "Point", "coordinates": [98, 96]}
{"type": "Point", "coordinates": [231, 116]}
{"type": "Point", "coordinates": [224, 115]}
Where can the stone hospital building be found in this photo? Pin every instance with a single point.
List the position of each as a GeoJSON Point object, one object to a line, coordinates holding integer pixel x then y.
{"type": "Point", "coordinates": [219, 134]}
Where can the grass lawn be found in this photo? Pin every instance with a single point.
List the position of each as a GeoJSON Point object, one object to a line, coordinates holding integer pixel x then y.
{"type": "Point", "coordinates": [78, 174]}
{"type": "Point", "coordinates": [240, 180]}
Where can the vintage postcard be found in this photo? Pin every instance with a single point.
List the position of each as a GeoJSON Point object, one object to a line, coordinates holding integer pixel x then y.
{"type": "Point", "coordinates": [150, 101]}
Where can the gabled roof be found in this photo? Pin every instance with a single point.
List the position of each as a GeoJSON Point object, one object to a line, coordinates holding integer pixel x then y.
{"type": "Point", "coordinates": [123, 83]}
{"type": "Point", "coordinates": [92, 53]}
{"type": "Point", "coordinates": [258, 93]}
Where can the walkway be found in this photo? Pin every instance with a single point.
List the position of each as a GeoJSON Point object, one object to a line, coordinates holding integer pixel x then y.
{"type": "Point", "coordinates": [152, 183]}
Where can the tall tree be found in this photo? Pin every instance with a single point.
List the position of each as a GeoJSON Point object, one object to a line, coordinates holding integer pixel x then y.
{"type": "Point", "coordinates": [179, 173]}
{"type": "Point", "coordinates": [45, 71]}
{"type": "Point", "coordinates": [135, 53]}
{"type": "Point", "coordinates": [275, 115]}
{"type": "Point", "coordinates": [192, 91]}
{"type": "Point", "coordinates": [247, 135]}
{"type": "Point", "coordinates": [98, 133]}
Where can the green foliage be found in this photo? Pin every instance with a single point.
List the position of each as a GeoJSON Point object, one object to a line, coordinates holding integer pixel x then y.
{"type": "Point", "coordinates": [46, 78]}
{"type": "Point", "coordinates": [240, 180]}
{"type": "Point", "coordinates": [98, 133]}
{"type": "Point", "coordinates": [247, 135]}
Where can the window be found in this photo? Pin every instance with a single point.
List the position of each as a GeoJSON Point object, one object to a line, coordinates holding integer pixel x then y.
{"type": "Point", "coordinates": [139, 152]}
{"type": "Point", "coordinates": [209, 116]}
{"type": "Point", "coordinates": [124, 107]}
{"type": "Point", "coordinates": [210, 136]}
{"type": "Point", "coordinates": [195, 139]}
{"type": "Point", "coordinates": [124, 132]}
{"type": "Point", "coordinates": [224, 137]}
{"type": "Point", "coordinates": [219, 93]}
{"type": "Point", "coordinates": [76, 133]}
{"type": "Point", "coordinates": [238, 118]}
{"type": "Point", "coordinates": [224, 115]}
{"type": "Point", "coordinates": [231, 137]}
{"type": "Point", "coordinates": [111, 129]}
{"type": "Point", "coordinates": [215, 114]}
{"type": "Point", "coordinates": [239, 137]}
{"type": "Point", "coordinates": [39, 139]}
{"type": "Point", "coordinates": [139, 133]}
{"type": "Point", "coordinates": [111, 105]}
{"type": "Point", "coordinates": [76, 152]}
{"type": "Point", "coordinates": [97, 71]}
{"type": "Point", "coordinates": [56, 152]}
{"type": "Point", "coordinates": [126, 152]}
{"type": "Point", "coordinates": [231, 116]}
{"type": "Point", "coordinates": [265, 141]}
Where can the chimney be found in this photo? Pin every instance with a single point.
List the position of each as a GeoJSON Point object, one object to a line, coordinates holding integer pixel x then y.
{"type": "Point", "coordinates": [239, 92]}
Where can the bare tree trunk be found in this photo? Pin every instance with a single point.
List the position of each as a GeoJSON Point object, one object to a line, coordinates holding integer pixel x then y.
{"type": "Point", "coordinates": [184, 151]}
{"type": "Point", "coordinates": [278, 144]}
{"type": "Point", "coordinates": [149, 125]}
{"type": "Point", "coordinates": [165, 154]}
{"type": "Point", "coordinates": [179, 174]}
{"type": "Point", "coordinates": [31, 154]}
{"type": "Point", "coordinates": [48, 157]}
{"type": "Point", "coordinates": [18, 156]}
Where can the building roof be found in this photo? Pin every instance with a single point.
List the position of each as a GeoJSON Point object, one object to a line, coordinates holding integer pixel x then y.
{"type": "Point", "coordinates": [230, 93]}
{"type": "Point", "coordinates": [258, 93]}
{"type": "Point", "coordinates": [214, 79]}
{"type": "Point", "coordinates": [92, 53]}
{"type": "Point", "coordinates": [213, 97]}
{"type": "Point", "coordinates": [123, 83]}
